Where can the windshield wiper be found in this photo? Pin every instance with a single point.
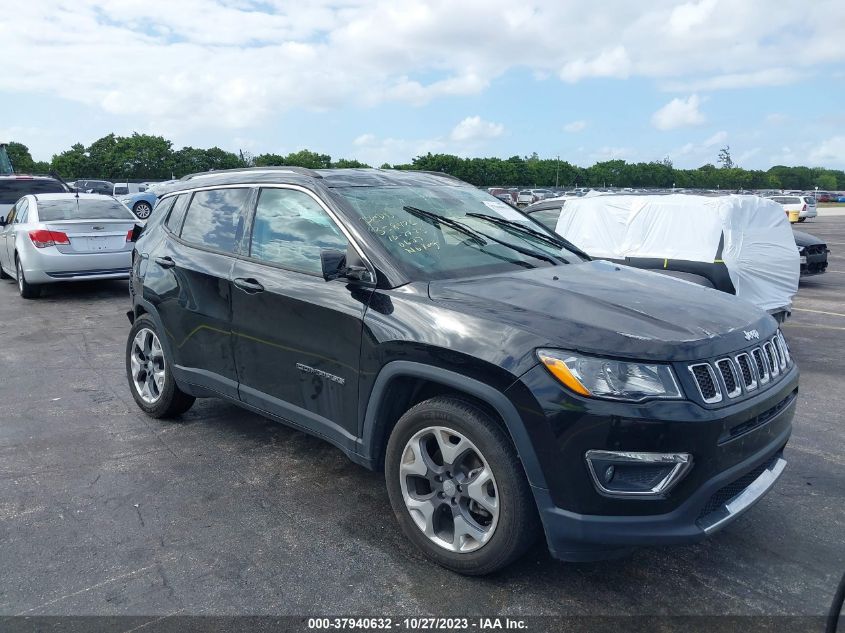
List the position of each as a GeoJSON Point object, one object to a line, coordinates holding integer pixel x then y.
{"type": "Point", "coordinates": [555, 240]}
{"type": "Point", "coordinates": [478, 236]}
{"type": "Point", "coordinates": [442, 219]}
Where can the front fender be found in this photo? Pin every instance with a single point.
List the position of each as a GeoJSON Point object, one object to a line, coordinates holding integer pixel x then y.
{"type": "Point", "coordinates": [491, 396]}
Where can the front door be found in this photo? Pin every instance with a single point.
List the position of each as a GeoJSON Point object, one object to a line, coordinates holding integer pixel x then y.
{"type": "Point", "coordinates": [297, 338]}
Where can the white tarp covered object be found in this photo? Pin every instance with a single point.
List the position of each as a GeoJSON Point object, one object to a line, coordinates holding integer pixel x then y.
{"type": "Point", "coordinates": [759, 249]}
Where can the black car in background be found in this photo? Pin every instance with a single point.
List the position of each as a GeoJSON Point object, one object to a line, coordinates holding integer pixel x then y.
{"type": "Point", "coordinates": [103, 187]}
{"type": "Point", "coordinates": [813, 252]}
{"type": "Point", "coordinates": [14, 187]}
{"type": "Point", "coordinates": [505, 384]}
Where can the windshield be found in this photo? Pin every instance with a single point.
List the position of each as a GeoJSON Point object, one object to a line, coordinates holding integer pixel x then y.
{"type": "Point", "coordinates": [438, 232]}
{"type": "Point", "coordinates": [82, 209]}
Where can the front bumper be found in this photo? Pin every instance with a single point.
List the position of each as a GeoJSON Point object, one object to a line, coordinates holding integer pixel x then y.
{"type": "Point", "coordinates": [816, 264]}
{"type": "Point", "coordinates": [737, 457]}
{"type": "Point", "coordinates": [578, 537]}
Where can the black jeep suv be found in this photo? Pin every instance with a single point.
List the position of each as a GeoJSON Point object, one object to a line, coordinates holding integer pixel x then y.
{"type": "Point", "coordinates": [505, 383]}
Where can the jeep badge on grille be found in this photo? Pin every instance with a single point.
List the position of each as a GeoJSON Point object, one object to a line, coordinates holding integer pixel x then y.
{"type": "Point", "coordinates": [751, 335]}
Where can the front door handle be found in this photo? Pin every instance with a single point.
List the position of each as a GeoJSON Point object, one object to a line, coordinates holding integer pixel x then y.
{"type": "Point", "coordinates": [165, 262]}
{"type": "Point", "coordinates": [248, 285]}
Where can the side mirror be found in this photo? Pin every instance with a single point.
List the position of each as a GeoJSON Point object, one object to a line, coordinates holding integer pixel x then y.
{"type": "Point", "coordinates": [333, 263]}
{"type": "Point", "coordinates": [335, 266]}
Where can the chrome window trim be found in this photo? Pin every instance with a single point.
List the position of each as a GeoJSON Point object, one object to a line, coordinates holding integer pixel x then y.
{"type": "Point", "coordinates": [682, 461]}
{"type": "Point", "coordinates": [273, 185]}
{"type": "Point", "coordinates": [737, 380]}
{"type": "Point", "coordinates": [751, 368]}
{"type": "Point", "coordinates": [718, 397]}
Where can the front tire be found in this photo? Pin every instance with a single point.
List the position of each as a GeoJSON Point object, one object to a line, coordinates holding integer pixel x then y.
{"type": "Point", "coordinates": [457, 487]}
{"type": "Point", "coordinates": [149, 374]}
{"type": "Point", "coordinates": [26, 289]}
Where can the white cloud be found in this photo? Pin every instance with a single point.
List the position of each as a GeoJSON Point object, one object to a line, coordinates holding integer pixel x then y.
{"type": "Point", "coordinates": [678, 113]}
{"type": "Point", "coordinates": [474, 128]}
{"type": "Point", "coordinates": [830, 151]}
{"type": "Point", "coordinates": [466, 137]}
{"type": "Point", "coordinates": [575, 126]}
{"type": "Point", "coordinates": [172, 67]}
{"type": "Point", "coordinates": [608, 63]}
{"type": "Point", "coordinates": [765, 77]}
{"type": "Point", "coordinates": [717, 139]}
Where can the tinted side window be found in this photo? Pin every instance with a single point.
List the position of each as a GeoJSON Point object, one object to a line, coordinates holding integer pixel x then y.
{"type": "Point", "coordinates": [162, 207]}
{"type": "Point", "coordinates": [291, 228]}
{"type": "Point", "coordinates": [174, 222]}
{"type": "Point", "coordinates": [214, 218]}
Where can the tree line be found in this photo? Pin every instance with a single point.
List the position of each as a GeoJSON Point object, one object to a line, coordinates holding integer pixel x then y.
{"type": "Point", "coordinates": [148, 157]}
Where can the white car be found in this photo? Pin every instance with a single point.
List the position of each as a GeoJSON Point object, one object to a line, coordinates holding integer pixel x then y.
{"type": "Point", "coordinates": [50, 238]}
{"type": "Point", "coordinates": [526, 197]}
{"type": "Point", "coordinates": [804, 204]}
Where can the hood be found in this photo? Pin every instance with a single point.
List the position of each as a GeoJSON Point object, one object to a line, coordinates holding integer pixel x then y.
{"type": "Point", "coordinates": [805, 239]}
{"type": "Point", "coordinates": [604, 308]}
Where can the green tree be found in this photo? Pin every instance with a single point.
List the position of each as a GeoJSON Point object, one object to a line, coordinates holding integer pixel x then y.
{"type": "Point", "coordinates": [826, 182]}
{"type": "Point", "coordinates": [73, 163]}
{"type": "Point", "coordinates": [21, 158]}
{"type": "Point", "coordinates": [345, 163]}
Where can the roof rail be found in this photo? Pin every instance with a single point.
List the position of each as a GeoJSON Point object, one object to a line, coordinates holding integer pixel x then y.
{"type": "Point", "coordinates": [436, 173]}
{"type": "Point", "coordinates": [270, 168]}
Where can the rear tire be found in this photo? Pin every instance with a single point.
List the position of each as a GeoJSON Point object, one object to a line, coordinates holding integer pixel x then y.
{"type": "Point", "coordinates": [470, 509]}
{"type": "Point", "coordinates": [4, 274]}
{"type": "Point", "coordinates": [148, 371]}
{"type": "Point", "coordinates": [26, 289]}
{"type": "Point", "coordinates": [801, 219]}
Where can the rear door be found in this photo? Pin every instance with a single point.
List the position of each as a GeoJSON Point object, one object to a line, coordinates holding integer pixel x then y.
{"type": "Point", "coordinates": [297, 337]}
{"type": "Point", "coordinates": [190, 275]}
{"type": "Point", "coordinates": [7, 236]}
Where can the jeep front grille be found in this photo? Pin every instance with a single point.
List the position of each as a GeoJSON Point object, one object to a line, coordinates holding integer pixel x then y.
{"type": "Point", "coordinates": [746, 371]}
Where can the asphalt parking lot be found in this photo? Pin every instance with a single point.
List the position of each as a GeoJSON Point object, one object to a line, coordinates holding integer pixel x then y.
{"type": "Point", "coordinates": [106, 511]}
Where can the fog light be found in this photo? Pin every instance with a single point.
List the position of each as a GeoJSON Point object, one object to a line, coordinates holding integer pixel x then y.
{"type": "Point", "coordinates": [635, 474]}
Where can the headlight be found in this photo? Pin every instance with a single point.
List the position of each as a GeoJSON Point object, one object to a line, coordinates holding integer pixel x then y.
{"type": "Point", "coordinates": [605, 378]}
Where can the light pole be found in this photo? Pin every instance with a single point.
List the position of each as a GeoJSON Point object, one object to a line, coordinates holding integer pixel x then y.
{"type": "Point", "coordinates": [557, 172]}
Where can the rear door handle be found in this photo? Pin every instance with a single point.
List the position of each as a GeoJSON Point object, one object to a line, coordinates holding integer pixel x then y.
{"type": "Point", "coordinates": [165, 262]}
{"type": "Point", "coordinates": [248, 285]}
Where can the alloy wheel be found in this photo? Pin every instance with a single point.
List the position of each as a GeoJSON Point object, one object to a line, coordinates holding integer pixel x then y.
{"type": "Point", "coordinates": [143, 210]}
{"type": "Point", "coordinates": [19, 271]}
{"type": "Point", "coordinates": [449, 489]}
{"type": "Point", "coordinates": [147, 365]}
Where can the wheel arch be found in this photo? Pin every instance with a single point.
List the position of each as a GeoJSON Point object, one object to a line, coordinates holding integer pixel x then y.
{"type": "Point", "coordinates": [402, 384]}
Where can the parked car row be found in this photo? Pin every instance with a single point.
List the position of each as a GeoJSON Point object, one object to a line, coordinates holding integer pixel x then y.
{"type": "Point", "coordinates": [433, 332]}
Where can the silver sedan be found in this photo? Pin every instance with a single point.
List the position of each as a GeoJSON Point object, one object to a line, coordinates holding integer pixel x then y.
{"type": "Point", "coordinates": [50, 238]}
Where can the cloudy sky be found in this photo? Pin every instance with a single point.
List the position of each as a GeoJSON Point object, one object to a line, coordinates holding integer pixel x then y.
{"type": "Point", "coordinates": [383, 81]}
